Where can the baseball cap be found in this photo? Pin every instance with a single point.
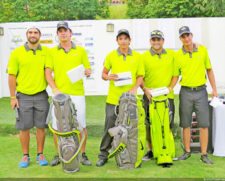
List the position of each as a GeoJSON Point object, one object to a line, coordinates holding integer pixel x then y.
{"type": "Point", "coordinates": [123, 31]}
{"type": "Point", "coordinates": [62, 24]}
{"type": "Point", "coordinates": [157, 34]}
{"type": "Point", "coordinates": [183, 30]}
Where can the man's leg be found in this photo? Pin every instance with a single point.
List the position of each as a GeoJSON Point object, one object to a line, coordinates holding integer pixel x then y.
{"type": "Point", "coordinates": [202, 116]}
{"type": "Point", "coordinates": [41, 108]}
{"type": "Point", "coordinates": [187, 139]}
{"type": "Point", "coordinates": [149, 153]}
{"type": "Point", "coordinates": [172, 112]}
{"type": "Point", "coordinates": [55, 161]}
{"type": "Point", "coordinates": [80, 106]}
{"type": "Point", "coordinates": [185, 112]}
{"type": "Point", "coordinates": [24, 123]}
{"type": "Point", "coordinates": [204, 140]}
{"type": "Point", "coordinates": [107, 139]}
{"type": "Point", "coordinates": [83, 148]}
{"type": "Point", "coordinates": [25, 140]}
{"type": "Point", "coordinates": [40, 137]}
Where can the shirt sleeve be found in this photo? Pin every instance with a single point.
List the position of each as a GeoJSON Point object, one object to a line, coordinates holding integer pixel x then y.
{"type": "Point", "coordinates": [107, 63]}
{"type": "Point", "coordinates": [207, 60]}
{"type": "Point", "coordinates": [13, 64]}
{"type": "Point", "coordinates": [85, 60]}
{"type": "Point", "coordinates": [49, 60]}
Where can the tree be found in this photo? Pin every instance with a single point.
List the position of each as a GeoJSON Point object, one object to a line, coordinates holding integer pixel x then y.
{"type": "Point", "coordinates": [136, 7]}
{"type": "Point", "coordinates": [45, 10]}
{"type": "Point", "coordinates": [177, 8]}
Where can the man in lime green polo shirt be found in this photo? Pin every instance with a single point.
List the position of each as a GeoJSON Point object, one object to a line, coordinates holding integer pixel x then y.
{"type": "Point", "coordinates": [65, 57]}
{"type": "Point", "coordinates": [193, 63]}
{"type": "Point", "coordinates": [27, 86]}
{"type": "Point", "coordinates": [120, 61]}
{"type": "Point", "coordinates": [159, 71]}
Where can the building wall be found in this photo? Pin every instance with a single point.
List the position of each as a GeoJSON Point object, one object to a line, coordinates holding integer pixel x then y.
{"type": "Point", "coordinates": [94, 37]}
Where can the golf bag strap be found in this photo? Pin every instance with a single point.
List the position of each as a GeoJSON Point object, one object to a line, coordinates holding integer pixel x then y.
{"type": "Point", "coordinates": [77, 132]}
{"type": "Point", "coordinates": [58, 133]}
{"type": "Point", "coordinates": [119, 148]}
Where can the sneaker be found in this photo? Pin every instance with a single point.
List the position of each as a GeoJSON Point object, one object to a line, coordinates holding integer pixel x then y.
{"type": "Point", "coordinates": [205, 159]}
{"type": "Point", "coordinates": [148, 156]}
{"type": "Point", "coordinates": [185, 156]}
{"type": "Point", "coordinates": [101, 162]}
{"type": "Point", "coordinates": [41, 160]}
{"type": "Point", "coordinates": [24, 163]}
{"type": "Point", "coordinates": [55, 161]}
{"type": "Point", "coordinates": [84, 160]}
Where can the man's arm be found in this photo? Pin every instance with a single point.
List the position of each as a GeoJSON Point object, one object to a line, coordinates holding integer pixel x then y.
{"type": "Point", "coordinates": [146, 91]}
{"type": "Point", "coordinates": [12, 88]}
{"type": "Point", "coordinates": [139, 82]}
{"type": "Point", "coordinates": [50, 80]}
{"type": "Point", "coordinates": [173, 82]}
{"type": "Point", "coordinates": [107, 76]}
{"type": "Point", "coordinates": [212, 81]}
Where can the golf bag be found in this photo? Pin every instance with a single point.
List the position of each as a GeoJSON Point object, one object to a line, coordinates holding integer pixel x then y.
{"type": "Point", "coordinates": [161, 135]}
{"type": "Point", "coordinates": [68, 133]}
{"type": "Point", "coordinates": [129, 133]}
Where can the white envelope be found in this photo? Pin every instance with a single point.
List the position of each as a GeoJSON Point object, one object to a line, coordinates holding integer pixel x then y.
{"type": "Point", "coordinates": [159, 91]}
{"type": "Point", "coordinates": [124, 78]}
{"type": "Point", "coordinates": [215, 102]}
{"type": "Point", "coordinates": [76, 73]}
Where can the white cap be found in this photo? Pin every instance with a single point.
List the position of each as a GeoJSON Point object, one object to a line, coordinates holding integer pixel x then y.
{"type": "Point", "coordinates": [32, 26]}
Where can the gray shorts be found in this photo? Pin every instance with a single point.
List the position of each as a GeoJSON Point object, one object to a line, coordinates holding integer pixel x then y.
{"type": "Point", "coordinates": [147, 117]}
{"type": "Point", "coordinates": [194, 101]}
{"type": "Point", "coordinates": [33, 110]}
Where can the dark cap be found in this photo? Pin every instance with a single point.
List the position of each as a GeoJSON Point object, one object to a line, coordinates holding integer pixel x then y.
{"type": "Point", "coordinates": [124, 32]}
{"type": "Point", "coordinates": [157, 34]}
{"type": "Point", "coordinates": [62, 24]}
{"type": "Point", "coordinates": [183, 30]}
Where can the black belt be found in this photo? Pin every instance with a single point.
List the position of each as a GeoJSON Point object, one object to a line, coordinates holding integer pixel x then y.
{"type": "Point", "coordinates": [194, 88]}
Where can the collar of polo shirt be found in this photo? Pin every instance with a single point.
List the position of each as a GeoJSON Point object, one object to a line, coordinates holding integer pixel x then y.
{"type": "Point", "coordinates": [124, 56]}
{"type": "Point", "coordinates": [28, 48]}
{"type": "Point", "coordinates": [155, 53]}
{"type": "Point", "coordinates": [128, 53]}
{"type": "Point", "coordinates": [195, 49]}
{"type": "Point", "coordinates": [73, 46]}
{"type": "Point", "coordinates": [159, 54]}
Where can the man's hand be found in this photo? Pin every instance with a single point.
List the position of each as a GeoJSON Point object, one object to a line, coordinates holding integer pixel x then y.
{"type": "Point", "coordinates": [56, 91]}
{"type": "Point", "coordinates": [214, 93]}
{"type": "Point", "coordinates": [112, 77]}
{"type": "Point", "coordinates": [133, 91]}
{"type": "Point", "coordinates": [147, 92]}
{"type": "Point", "coordinates": [14, 103]}
{"type": "Point", "coordinates": [170, 89]}
{"type": "Point", "coordinates": [87, 72]}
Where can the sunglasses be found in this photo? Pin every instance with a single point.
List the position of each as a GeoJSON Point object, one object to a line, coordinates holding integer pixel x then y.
{"type": "Point", "coordinates": [156, 33]}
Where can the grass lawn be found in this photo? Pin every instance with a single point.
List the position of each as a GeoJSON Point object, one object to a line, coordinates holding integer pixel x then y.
{"type": "Point", "coordinates": [10, 152]}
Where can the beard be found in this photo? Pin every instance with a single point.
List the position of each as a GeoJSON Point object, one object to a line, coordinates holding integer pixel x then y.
{"type": "Point", "coordinates": [33, 40]}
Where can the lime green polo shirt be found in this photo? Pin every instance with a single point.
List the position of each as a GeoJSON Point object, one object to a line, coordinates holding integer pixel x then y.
{"type": "Point", "coordinates": [28, 66]}
{"type": "Point", "coordinates": [159, 69]}
{"type": "Point", "coordinates": [61, 62]}
{"type": "Point", "coordinates": [192, 66]}
{"type": "Point", "coordinates": [116, 62]}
